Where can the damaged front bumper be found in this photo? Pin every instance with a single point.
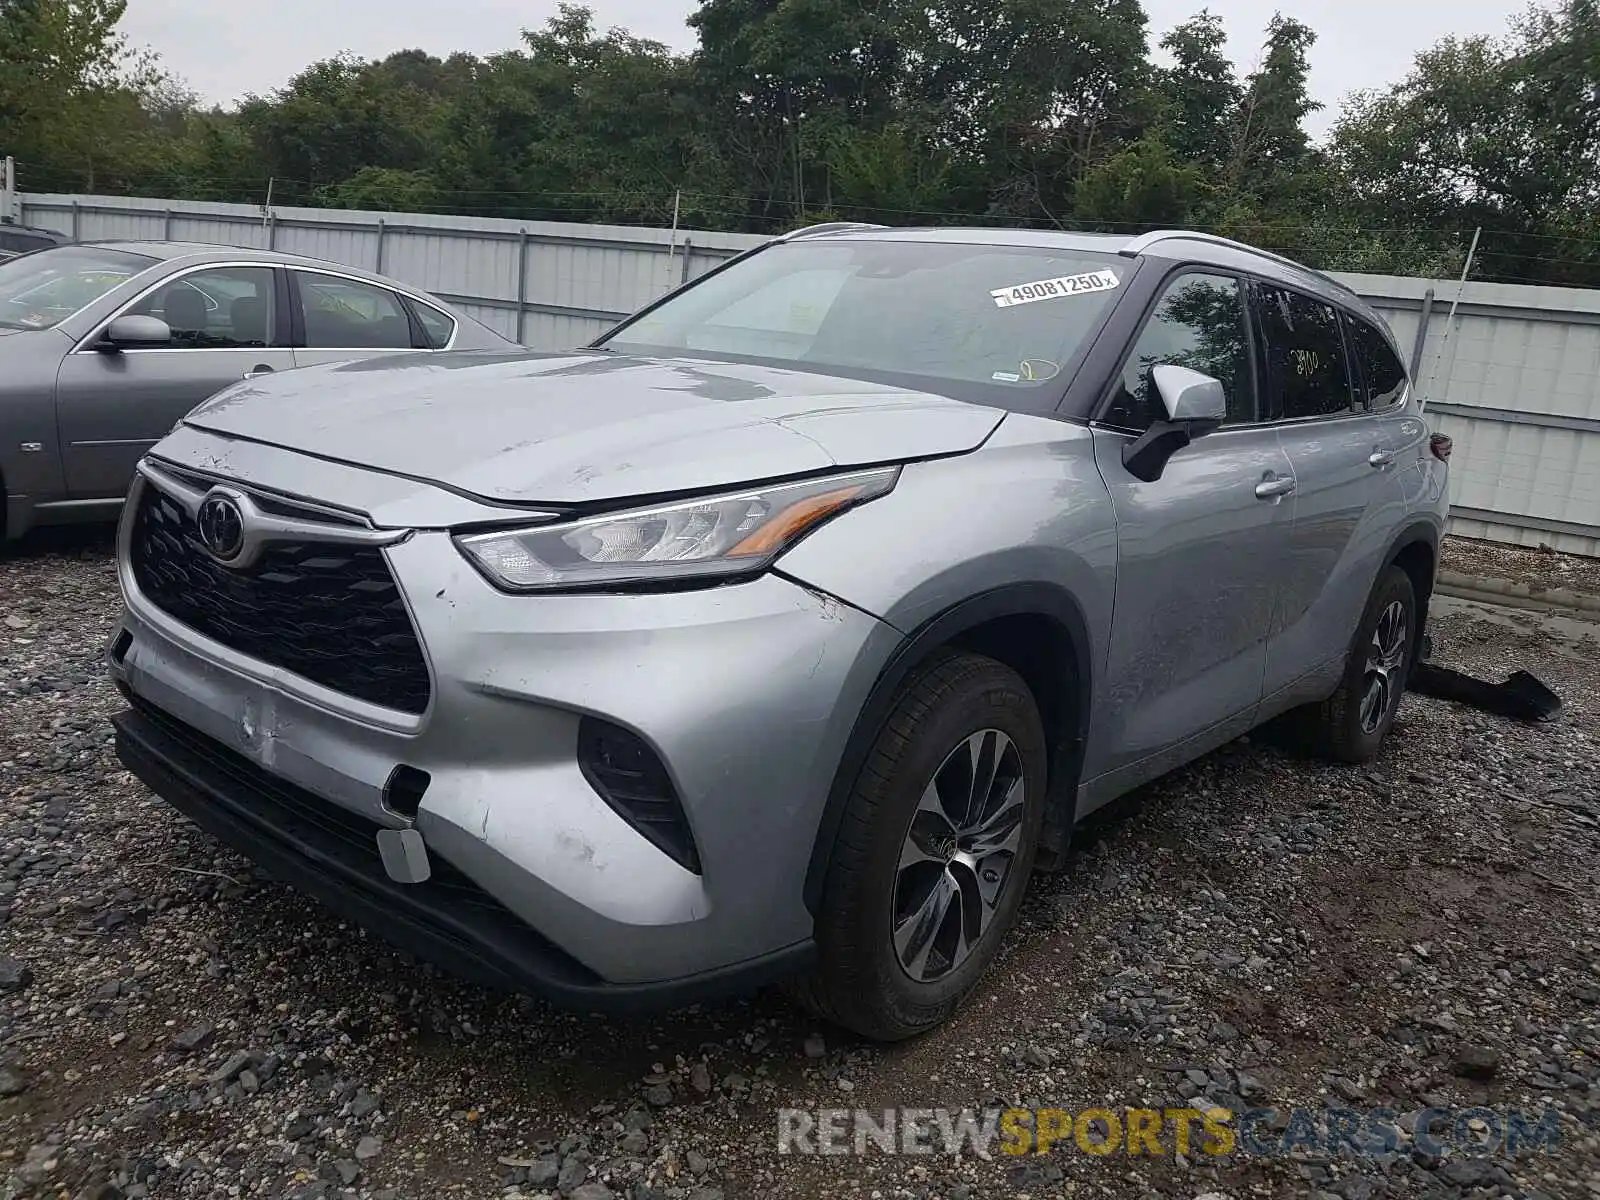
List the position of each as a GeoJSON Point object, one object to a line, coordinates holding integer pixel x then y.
{"type": "Point", "coordinates": [747, 694]}
{"type": "Point", "coordinates": [331, 855]}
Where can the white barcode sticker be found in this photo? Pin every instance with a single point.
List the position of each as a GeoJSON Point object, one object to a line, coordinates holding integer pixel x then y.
{"type": "Point", "coordinates": [1055, 289]}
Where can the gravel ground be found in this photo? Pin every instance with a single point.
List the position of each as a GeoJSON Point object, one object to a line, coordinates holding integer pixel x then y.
{"type": "Point", "coordinates": [1253, 930]}
{"type": "Point", "coordinates": [1539, 568]}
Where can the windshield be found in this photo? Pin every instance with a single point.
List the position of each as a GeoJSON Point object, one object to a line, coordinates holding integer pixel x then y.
{"type": "Point", "coordinates": [942, 317]}
{"type": "Point", "coordinates": [38, 291]}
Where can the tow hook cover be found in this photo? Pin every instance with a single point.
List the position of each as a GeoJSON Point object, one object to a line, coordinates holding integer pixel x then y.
{"type": "Point", "coordinates": [405, 855]}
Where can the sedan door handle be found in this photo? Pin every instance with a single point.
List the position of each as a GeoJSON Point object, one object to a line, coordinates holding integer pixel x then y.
{"type": "Point", "coordinates": [1272, 489]}
{"type": "Point", "coordinates": [1381, 458]}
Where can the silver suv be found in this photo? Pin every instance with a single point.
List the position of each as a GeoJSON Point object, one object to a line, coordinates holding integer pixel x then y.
{"type": "Point", "coordinates": [782, 633]}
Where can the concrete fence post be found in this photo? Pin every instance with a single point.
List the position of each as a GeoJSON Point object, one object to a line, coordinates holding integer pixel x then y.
{"type": "Point", "coordinates": [381, 228]}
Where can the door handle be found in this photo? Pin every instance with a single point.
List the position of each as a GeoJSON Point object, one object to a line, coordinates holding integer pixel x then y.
{"type": "Point", "coordinates": [1272, 489]}
{"type": "Point", "coordinates": [258, 369]}
{"type": "Point", "coordinates": [1381, 458]}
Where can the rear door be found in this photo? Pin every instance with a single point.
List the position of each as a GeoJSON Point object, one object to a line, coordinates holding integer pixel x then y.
{"type": "Point", "coordinates": [1388, 396]}
{"type": "Point", "coordinates": [112, 406]}
{"type": "Point", "coordinates": [1347, 499]}
{"type": "Point", "coordinates": [1200, 550]}
{"type": "Point", "coordinates": [338, 318]}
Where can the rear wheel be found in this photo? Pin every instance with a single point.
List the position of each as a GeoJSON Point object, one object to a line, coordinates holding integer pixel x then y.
{"type": "Point", "coordinates": [1351, 724]}
{"type": "Point", "coordinates": [934, 851]}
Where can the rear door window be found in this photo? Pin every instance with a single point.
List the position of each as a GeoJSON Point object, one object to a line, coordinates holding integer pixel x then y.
{"type": "Point", "coordinates": [347, 314]}
{"type": "Point", "coordinates": [1306, 373]}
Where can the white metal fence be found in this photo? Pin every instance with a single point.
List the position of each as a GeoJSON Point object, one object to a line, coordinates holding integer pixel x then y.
{"type": "Point", "coordinates": [1516, 383]}
{"type": "Point", "coordinates": [546, 285]}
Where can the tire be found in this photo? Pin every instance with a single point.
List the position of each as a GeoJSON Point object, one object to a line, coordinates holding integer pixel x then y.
{"type": "Point", "coordinates": [1351, 724]}
{"type": "Point", "coordinates": [868, 980]}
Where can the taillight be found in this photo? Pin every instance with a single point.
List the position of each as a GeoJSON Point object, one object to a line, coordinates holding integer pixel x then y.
{"type": "Point", "coordinates": [1441, 446]}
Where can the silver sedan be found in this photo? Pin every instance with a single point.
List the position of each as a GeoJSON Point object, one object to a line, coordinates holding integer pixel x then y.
{"type": "Point", "coordinates": [105, 346]}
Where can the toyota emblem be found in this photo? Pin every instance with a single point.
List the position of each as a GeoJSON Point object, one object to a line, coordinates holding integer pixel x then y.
{"type": "Point", "coordinates": [221, 528]}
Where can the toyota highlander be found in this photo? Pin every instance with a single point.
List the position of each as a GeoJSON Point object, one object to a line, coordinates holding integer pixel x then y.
{"type": "Point", "coordinates": [783, 632]}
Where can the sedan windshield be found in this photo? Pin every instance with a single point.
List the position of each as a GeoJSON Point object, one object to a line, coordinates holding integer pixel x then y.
{"type": "Point", "coordinates": [38, 291]}
{"type": "Point", "coordinates": [969, 320]}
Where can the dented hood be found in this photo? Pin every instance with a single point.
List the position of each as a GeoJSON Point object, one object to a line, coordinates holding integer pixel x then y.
{"type": "Point", "coordinates": [588, 426]}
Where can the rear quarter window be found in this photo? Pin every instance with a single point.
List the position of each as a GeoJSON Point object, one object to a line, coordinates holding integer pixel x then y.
{"type": "Point", "coordinates": [437, 327]}
{"type": "Point", "coordinates": [1382, 375]}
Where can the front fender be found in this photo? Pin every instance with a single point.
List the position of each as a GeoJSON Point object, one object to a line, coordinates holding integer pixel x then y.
{"type": "Point", "coordinates": [1029, 507]}
{"type": "Point", "coordinates": [29, 364]}
{"type": "Point", "coordinates": [1021, 528]}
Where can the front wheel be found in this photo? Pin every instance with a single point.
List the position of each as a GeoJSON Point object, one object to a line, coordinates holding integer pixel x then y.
{"type": "Point", "coordinates": [934, 852]}
{"type": "Point", "coordinates": [1351, 724]}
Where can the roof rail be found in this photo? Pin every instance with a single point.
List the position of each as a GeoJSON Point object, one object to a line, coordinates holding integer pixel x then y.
{"type": "Point", "coordinates": [827, 227]}
{"type": "Point", "coordinates": [1145, 240]}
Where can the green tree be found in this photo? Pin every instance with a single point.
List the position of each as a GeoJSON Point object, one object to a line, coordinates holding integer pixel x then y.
{"type": "Point", "coordinates": [583, 126]}
{"type": "Point", "coordinates": [1019, 111]}
{"type": "Point", "coordinates": [1028, 94]}
{"type": "Point", "coordinates": [1201, 92]}
{"type": "Point", "coordinates": [889, 174]}
{"type": "Point", "coordinates": [383, 189]}
{"type": "Point", "coordinates": [1498, 132]}
{"type": "Point", "coordinates": [1142, 187]}
{"type": "Point", "coordinates": [1269, 132]}
{"type": "Point", "coordinates": [790, 85]}
{"type": "Point", "coordinates": [71, 91]}
{"type": "Point", "coordinates": [334, 118]}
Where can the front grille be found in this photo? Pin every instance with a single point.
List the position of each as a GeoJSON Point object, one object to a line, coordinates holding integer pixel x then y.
{"type": "Point", "coordinates": [329, 612]}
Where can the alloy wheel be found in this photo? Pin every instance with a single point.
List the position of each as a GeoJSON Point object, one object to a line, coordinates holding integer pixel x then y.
{"type": "Point", "coordinates": [958, 856]}
{"type": "Point", "coordinates": [1386, 655]}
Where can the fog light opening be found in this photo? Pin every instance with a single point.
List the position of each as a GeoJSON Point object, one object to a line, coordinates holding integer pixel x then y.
{"type": "Point", "coordinates": [632, 779]}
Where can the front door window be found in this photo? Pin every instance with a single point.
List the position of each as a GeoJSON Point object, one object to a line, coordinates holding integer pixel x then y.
{"type": "Point", "coordinates": [222, 309]}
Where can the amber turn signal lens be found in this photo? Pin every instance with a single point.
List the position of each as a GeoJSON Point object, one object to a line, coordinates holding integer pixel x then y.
{"type": "Point", "coordinates": [786, 525]}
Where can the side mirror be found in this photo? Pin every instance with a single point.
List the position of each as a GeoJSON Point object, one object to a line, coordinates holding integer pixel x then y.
{"type": "Point", "coordinates": [1195, 404]}
{"type": "Point", "coordinates": [1191, 397]}
{"type": "Point", "coordinates": [132, 331]}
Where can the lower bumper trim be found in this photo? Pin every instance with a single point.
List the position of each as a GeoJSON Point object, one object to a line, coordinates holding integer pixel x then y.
{"type": "Point", "coordinates": [326, 853]}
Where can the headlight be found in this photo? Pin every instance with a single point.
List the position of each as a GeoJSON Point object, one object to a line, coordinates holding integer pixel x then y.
{"type": "Point", "coordinates": [734, 534]}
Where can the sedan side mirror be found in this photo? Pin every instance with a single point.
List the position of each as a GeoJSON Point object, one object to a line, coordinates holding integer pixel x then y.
{"type": "Point", "coordinates": [133, 331]}
{"type": "Point", "coordinates": [1195, 405]}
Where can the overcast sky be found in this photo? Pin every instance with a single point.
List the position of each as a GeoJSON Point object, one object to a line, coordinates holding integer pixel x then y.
{"type": "Point", "coordinates": [256, 46]}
